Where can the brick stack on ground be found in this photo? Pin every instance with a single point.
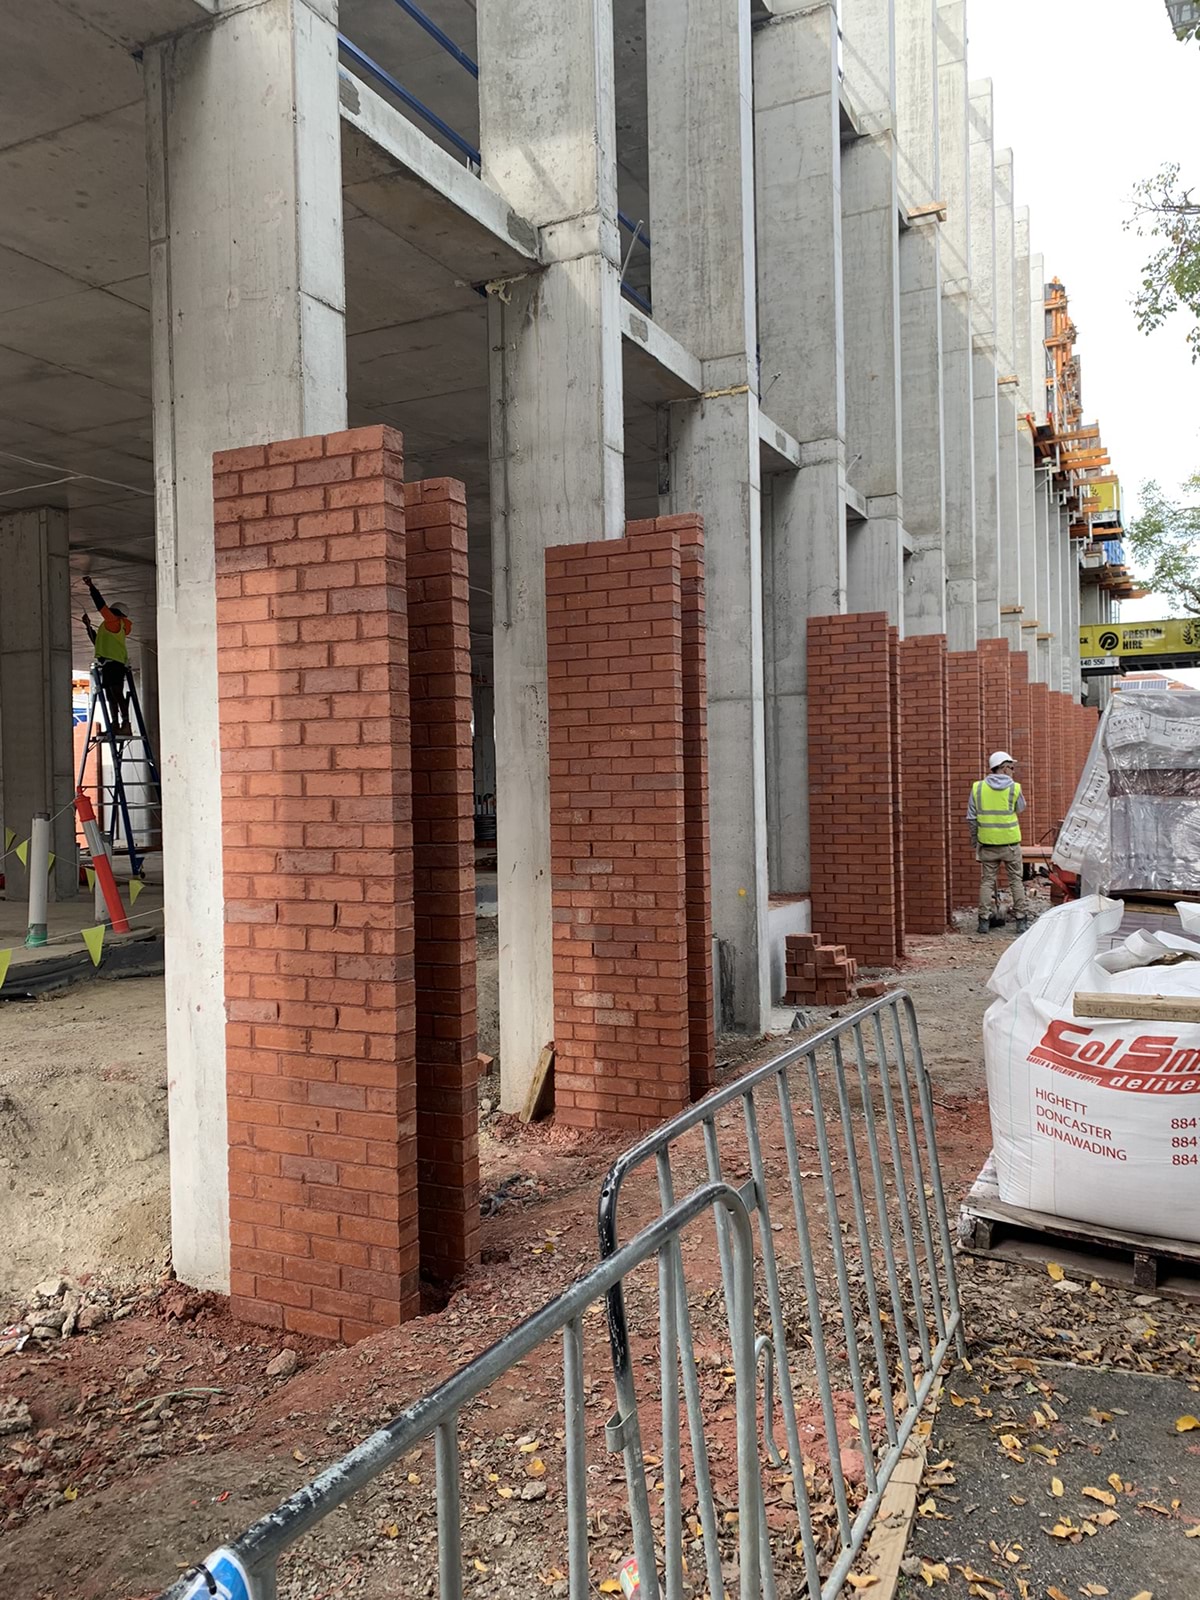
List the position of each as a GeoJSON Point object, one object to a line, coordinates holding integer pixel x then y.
{"type": "Point", "coordinates": [818, 974]}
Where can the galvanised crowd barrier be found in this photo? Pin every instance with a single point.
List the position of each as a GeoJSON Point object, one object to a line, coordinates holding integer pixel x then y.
{"type": "Point", "coordinates": [859, 1317]}
{"type": "Point", "coordinates": [881, 1238]}
{"type": "Point", "coordinates": [247, 1569]}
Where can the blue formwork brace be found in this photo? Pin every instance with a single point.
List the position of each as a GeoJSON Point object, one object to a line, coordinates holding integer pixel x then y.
{"type": "Point", "coordinates": [103, 733]}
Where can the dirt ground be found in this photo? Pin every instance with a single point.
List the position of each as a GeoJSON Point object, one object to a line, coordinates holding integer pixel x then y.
{"type": "Point", "coordinates": [83, 1135]}
{"type": "Point", "coordinates": [156, 1437]}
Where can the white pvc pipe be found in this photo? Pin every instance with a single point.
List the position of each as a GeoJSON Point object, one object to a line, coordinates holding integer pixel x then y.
{"type": "Point", "coordinates": [39, 877]}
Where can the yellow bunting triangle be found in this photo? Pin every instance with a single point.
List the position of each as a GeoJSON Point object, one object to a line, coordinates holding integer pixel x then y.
{"type": "Point", "coordinates": [94, 939]}
{"type": "Point", "coordinates": [23, 852]}
{"type": "Point", "coordinates": [9, 835]}
{"type": "Point", "coordinates": [91, 877]}
{"type": "Point", "coordinates": [5, 958]}
{"type": "Point", "coordinates": [135, 888]}
{"type": "Point", "coordinates": [50, 863]}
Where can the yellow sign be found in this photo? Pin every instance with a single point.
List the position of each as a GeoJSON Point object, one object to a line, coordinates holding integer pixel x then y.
{"type": "Point", "coordinates": [1104, 498]}
{"type": "Point", "coordinates": [1178, 636]}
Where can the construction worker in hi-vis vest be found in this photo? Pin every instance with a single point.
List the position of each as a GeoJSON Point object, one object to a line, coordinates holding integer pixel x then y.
{"type": "Point", "coordinates": [112, 657]}
{"type": "Point", "coordinates": [994, 818]}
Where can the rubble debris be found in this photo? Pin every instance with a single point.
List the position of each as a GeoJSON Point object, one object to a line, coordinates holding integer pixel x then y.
{"type": "Point", "coordinates": [284, 1364]}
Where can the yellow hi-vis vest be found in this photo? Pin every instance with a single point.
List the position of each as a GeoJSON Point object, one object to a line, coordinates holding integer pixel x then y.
{"type": "Point", "coordinates": [996, 813]}
{"type": "Point", "coordinates": [111, 646]}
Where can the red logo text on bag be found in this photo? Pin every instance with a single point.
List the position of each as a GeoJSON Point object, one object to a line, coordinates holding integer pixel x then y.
{"type": "Point", "coordinates": [1152, 1063]}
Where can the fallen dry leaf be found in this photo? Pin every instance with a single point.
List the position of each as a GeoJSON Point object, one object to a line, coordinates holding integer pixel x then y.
{"type": "Point", "coordinates": [536, 1468]}
{"type": "Point", "coordinates": [1055, 1271]}
{"type": "Point", "coordinates": [414, 1477]}
{"type": "Point", "coordinates": [1114, 1481]}
{"type": "Point", "coordinates": [610, 1586]}
{"type": "Point", "coordinates": [933, 1570]}
{"type": "Point", "coordinates": [479, 1565]}
{"type": "Point", "coordinates": [1056, 1488]}
{"type": "Point", "coordinates": [391, 1530]}
{"type": "Point", "coordinates": [505, 1492]}
{"type": "Point", "coordinates": [1010, 1441]}
{"type": "Point", "coordinates": [1187, 1423]}
{"type": "Point", "coordinates": [1143, 1594]}
{"type": "Point", "coordinates": [1103, 1495]}
{"type": "Point", "coordinates": [862, 1580]}
{"type": "Point", "coordinates": [1095, 1589]}
{"type": "Point", "coordinates": [1193, 1533]}
{"type": "Point", "coordinates": [528, 1449]}
{"type": "Point", "coordinates": [1107, 1518]}
{"type": "Point", "coordinates": [1053, 1593]}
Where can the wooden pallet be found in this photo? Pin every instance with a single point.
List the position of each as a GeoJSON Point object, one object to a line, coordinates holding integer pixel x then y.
{"type": "Point", "coordinates": [989, 1227]}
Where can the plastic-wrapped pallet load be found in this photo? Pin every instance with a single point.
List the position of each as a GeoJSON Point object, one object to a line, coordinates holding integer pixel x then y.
{"type": "Point", "coordinates": [1096, 1119]}
{"type": "Point", "coordinates": [1134, 823]}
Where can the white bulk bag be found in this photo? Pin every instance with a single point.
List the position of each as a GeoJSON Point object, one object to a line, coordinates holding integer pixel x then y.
{"type": "Point", "coordinates": [1095, 1119]}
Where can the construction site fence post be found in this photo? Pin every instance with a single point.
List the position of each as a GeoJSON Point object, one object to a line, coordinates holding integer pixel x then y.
{"type": "Point", "coordinates": [101, 863]}
{"type": "Point", "coordinates": [38, 868]}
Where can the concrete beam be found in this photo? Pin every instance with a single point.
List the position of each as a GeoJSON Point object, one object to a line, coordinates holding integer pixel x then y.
{"type": "Point", "coordinates": [227, 161]}
{"type": "Point", "coordinates": [428, 197]}
{"type": "Point", "coordinates": [780, 452]}
{"type": "Point", "coordinates": [677, 373]}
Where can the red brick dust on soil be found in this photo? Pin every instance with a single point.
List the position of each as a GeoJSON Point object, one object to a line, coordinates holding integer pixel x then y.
{"type": "Point", "coordinates": [117, 1488]}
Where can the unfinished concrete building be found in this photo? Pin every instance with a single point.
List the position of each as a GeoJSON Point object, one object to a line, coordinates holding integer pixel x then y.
{"type": "Point", "coordinates": [744, 291]}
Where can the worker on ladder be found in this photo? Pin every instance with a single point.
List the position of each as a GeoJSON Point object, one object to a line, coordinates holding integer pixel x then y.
{"type": "Point", "coordinates": [111, 666]}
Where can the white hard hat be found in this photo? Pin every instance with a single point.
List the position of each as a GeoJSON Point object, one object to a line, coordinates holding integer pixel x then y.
{"type": "Point", "coordinates": [997, 759]}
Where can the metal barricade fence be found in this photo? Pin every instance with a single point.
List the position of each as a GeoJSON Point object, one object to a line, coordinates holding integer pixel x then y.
{"type": "Point", "coordinates": [851, 1374]}
{"type": "Point", "coordinates": [249, 1566]}
{"type": "Point", "coordinates": [831, 1340]}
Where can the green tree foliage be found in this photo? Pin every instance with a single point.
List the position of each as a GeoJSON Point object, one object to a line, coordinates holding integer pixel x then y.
{"type": "Point", "coordinates": [1166, 212]}
{"type": "Point", "coordinates": [1165, 544]}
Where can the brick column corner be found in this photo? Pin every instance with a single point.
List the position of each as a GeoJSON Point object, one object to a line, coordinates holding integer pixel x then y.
{"type": "Point", "coordinates": [317, 853]}
{"type": "Point", "coordinates": [702, 1050]}
{"type": "Point", "coordinates": [440, 697]}
{"type": "Point", "coordinates": [965, 703]}
{"type": "Point", "coordinates": [925, 750]}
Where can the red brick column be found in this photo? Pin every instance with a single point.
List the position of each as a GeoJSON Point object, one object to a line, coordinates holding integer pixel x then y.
{"type": "Point", "coordinates": [313, 677]}
{"type": "Point", "coordinates": [898, 820]}
{"type": "Point", "coordinates": [1058, 757]}
{"type": "Point", "coordinates": [1020, 735]}
{"type": "Point", "coordinates": [966, 766]}
{"type": "Point", "coordinates": [439, 664]}
{"type": "Point", "coordinates": [852, 785]}
{"type": "Point", "coordinates": [1039, 725]}
{"type": "Point", "coordinates": [617, 831]}
{"type": "Point", "coordinates": [996, 695]}
{"type": "Point", "coordinates": [701, 1031]}
{"type": "Point", "coordinates": [925, 771]}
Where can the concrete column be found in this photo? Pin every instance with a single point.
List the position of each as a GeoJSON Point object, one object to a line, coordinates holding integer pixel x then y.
{"type": "Point", "coordinates": [921, 356]}
{"type": "Point", "coordinates": [958, 415]}
{"type": "Point", "coordinates": [1026, 520]}
{"type": "Point", "coordinates": [701, 160]}
{"type": "Point", "coordinates": [1044, 515]}
{"type": "Point", "coordinates": [983, 325]}
{"type": "Point", "coordinates": [36, 752]}
{"type": "Point", "coordinates": [1059, 537]}
{"type": "Point", "coordinates": [871, 284]}
{"type": "Point", "coordinates": [548, 141]}
{"type": "Point", "coordinates": [797, 117]}
{"type": "Point", "coordinates": [1072, 678]}
{"type": "Point", "coordinates": [1008, 384]}
{"type": "Point", "coordinates": [246, 270]}
{"type": "Point", "coordinates": [143, 660]}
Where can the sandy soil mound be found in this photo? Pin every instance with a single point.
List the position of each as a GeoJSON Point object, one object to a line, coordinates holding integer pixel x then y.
{"type": "Point", "coordinates": [83, 1135]}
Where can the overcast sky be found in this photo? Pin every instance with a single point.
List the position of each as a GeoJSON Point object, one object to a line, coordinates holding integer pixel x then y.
{"type": "Point", "coordinates": [1092, 95]}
